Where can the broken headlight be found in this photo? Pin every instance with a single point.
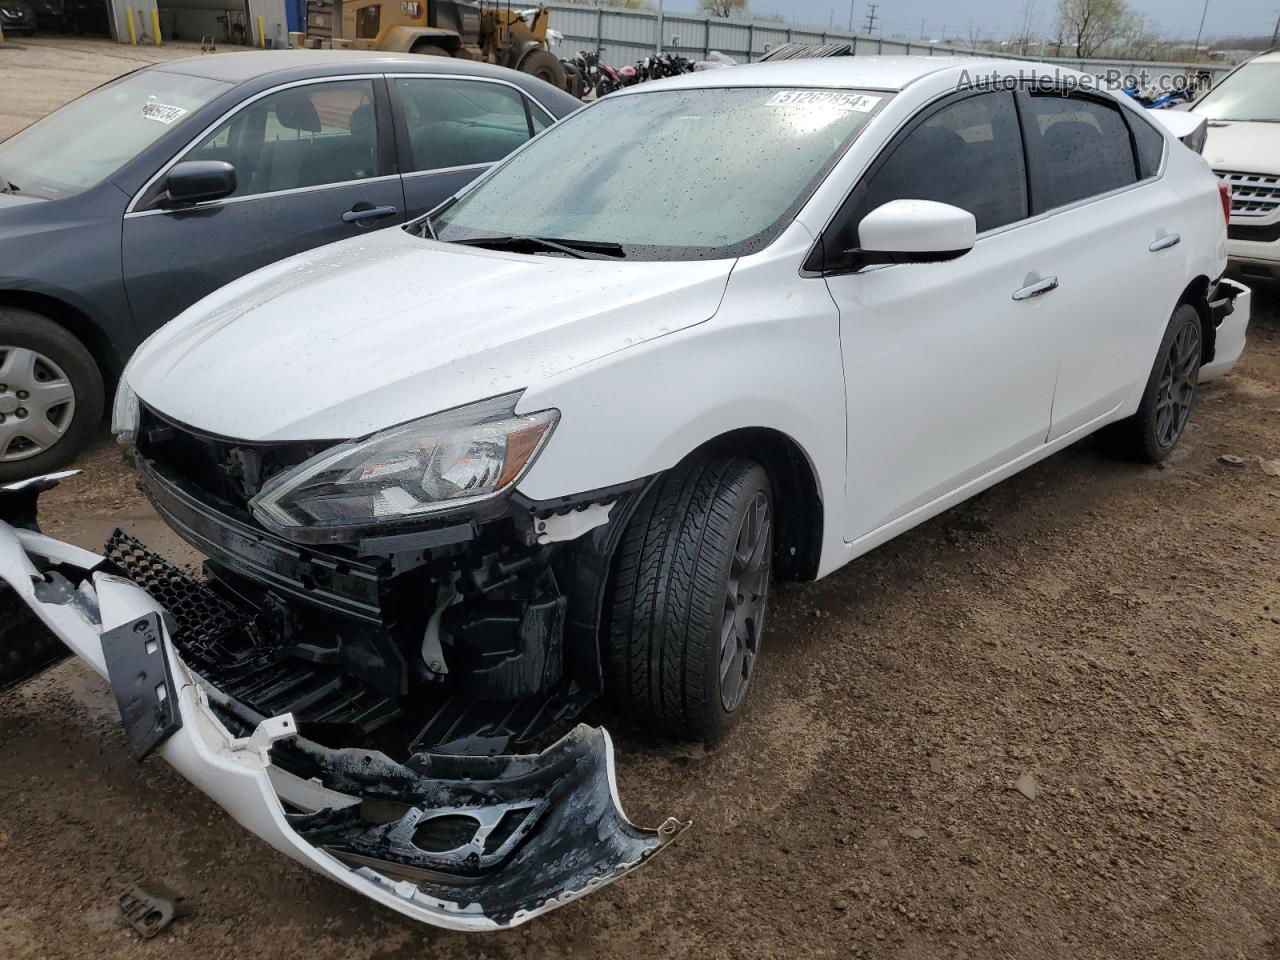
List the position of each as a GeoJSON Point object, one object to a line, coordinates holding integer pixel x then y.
{"type": "Point", "coordinates": [451, 459]}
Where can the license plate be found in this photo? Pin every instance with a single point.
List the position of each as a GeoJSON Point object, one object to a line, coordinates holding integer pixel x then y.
{"type": "Point", "coordinates": [142, 683]}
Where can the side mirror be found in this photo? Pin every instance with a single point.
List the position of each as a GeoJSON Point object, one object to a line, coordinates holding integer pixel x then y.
{"type": "Point", "coordinates": [194, 181]}
{"type": "Point", "coordinates": [915, 231]}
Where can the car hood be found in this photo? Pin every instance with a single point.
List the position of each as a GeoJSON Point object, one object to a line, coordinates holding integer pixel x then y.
{"type": "Point", "coordinates": [370, 332]}
{"type": "Point", "coordinates": [1243, 146]}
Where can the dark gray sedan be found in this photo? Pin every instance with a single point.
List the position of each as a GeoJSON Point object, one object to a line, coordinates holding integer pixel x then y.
{"type": "Point", "coordinates": [129, 204]}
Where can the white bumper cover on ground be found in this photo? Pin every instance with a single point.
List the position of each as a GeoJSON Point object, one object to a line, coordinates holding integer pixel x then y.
{"type": "Point", "coordinates": [238, 773]}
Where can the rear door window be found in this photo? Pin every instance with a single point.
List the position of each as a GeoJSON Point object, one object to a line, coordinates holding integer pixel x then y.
{"type": "Point", "coordinates": [460, 123]}
{"type": "Point", "coordinates": [1081, 147]}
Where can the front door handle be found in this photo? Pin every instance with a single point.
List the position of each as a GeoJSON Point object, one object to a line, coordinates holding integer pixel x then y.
{"type": "Point", "coordinates": [1037, 289]}
{"type": "Point", "coordinates": [1165, 242]}
{"type": "Point", "coordinates": [367, 211]}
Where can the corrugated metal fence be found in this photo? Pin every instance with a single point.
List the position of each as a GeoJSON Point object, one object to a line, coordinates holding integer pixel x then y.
{"type": "Point", "coordinates": [624, 36]}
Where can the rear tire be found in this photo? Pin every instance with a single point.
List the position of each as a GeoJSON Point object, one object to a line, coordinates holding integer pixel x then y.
{"type": "Point", "coordinates": [40, 363]}
{"type": "Point", "coordinates": [428, 50]}
{"type": "Point", "coordinates": [690, 592]}
{"type": "Point", "coordinates": [544, 65]}
{"type": "Point", "coordinates": [1153, 432]}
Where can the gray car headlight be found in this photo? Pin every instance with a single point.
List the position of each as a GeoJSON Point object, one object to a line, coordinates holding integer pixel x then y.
{"type": "Point", "coordinates": [452, 459]}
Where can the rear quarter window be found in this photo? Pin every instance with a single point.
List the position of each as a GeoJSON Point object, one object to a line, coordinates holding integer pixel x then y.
{"type": "Point", "coordinates": [1150, 143]}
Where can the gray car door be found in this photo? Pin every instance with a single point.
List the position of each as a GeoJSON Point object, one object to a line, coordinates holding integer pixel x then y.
{"type": "Point", "coordinates": [452, 129]}
{"type": "Point", "coordinates": [309, 158]}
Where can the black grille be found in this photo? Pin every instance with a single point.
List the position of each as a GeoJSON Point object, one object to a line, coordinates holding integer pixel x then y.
{"type": "Point", "coordinates": [230, 471]}
{"type": "Point", "coordinates": [221, 642]}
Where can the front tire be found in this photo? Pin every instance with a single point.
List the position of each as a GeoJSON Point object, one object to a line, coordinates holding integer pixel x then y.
{"type": "Point", "coordinates": [1151, 434]}
{"type": "Point", "coordinates": [51, 395]}
{"type": "Point", "coordinates": [690, 592]}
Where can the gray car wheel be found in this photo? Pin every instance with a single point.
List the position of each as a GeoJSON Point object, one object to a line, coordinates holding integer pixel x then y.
{"type": "Point", "coordinates": [51, 395]}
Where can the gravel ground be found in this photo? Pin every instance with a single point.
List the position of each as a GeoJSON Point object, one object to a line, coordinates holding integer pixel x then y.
{"type": "Point", "coordinates": [1109, 631]}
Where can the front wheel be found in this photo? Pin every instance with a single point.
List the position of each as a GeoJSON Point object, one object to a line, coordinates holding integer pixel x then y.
{"type": "Point", "coordinates": [1151, 434]}
{"type": "Point", "coordinates": [51, 395]}
{"type": "Point", "coordinates": [690, 592]}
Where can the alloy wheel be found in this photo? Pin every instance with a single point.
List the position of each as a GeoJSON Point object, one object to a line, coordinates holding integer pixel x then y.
{"type": "Point", "coordinates": [37, 403]}
{"type": "Point", "coordinates": [1177, 387]}
{"type": "Point", "coordinates": [746, 596]}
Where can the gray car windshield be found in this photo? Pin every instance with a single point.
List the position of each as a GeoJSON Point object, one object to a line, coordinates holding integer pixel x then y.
{"type": "Point", "coordinates": [91, 138]}
{"type": "Point", "coordinates": [1251, 93]}
{"type": "Point", "coordinates": [667, 175]}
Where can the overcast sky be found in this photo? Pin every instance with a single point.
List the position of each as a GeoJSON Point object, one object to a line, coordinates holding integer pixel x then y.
{"type": "Point", "coordinates": [1000, 18]}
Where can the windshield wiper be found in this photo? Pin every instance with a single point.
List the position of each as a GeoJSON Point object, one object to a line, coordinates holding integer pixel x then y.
{"type": "Point", "coordinates": [581, 249]}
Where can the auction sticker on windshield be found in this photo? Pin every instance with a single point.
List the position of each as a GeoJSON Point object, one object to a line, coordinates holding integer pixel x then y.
{"type": "Point", "coordinates": [841, 100]}
{"type": "Point", "coordinates": [162, 113]}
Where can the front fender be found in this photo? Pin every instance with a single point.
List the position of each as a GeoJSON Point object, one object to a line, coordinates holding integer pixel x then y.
{"type": "Point", "coordinates": [769, 358]}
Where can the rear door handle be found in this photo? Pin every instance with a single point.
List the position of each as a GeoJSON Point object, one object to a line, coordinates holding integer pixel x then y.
{"type": "Point", "coordinates": [1037, 289]}
{"type": "Point", "coordinates": [367, 212]}
{"type": "Point", "coordinates": [1165, 242]}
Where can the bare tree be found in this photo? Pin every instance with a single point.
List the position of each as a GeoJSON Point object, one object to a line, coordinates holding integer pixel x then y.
{"type": "Point", "coordinates": [723, 8]}
{"type": "Point", "coordinates": [1089, 25]}
{"type": "Point", "coordinates": [1027, 35]}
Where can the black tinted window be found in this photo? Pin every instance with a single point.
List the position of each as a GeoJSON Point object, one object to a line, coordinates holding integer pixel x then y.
{"type": "Point", "coordinates": [305, 136]}
{"type": "Point", "coordinates": [458, 123]}
{"type": "Point", "coordinates": [1150, 146]}
{"type": "Point", "coordinates": [1084, 148]}
{"type": "Point", "coordinates": [968, 154]}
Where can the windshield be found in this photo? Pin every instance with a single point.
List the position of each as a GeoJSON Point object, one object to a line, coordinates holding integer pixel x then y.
{"type": "Point", "coordinates": [668, 175]}
{"type": "Point", "coordinates": [91, 138]}
{"type": "Point", "coordinates": [1251, 93]}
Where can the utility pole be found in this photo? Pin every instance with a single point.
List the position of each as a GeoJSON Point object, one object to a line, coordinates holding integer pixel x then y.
{"type": "Point", "coordinates": [871, 17]}
{"type": "Point", "coordinates": [1275, 34]}
{"type": "Point", "coordinates": [1203, 14]}
{"type": "Point", "coordinates": [922, 28]}
{"type": "Point", "coordinates": [659, 27]}
{"type": "Point", "coordinates": [851, 3]}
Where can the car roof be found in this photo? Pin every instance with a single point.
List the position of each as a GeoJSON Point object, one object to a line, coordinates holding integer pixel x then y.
{"type": "Point", "coordinates": [253, 64]}
{"type": "Point", "coordinates": [865, 73]}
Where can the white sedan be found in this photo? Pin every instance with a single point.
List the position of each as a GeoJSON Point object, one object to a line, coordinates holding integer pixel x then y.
{"type": "Point", "coordinates": [553, 442]}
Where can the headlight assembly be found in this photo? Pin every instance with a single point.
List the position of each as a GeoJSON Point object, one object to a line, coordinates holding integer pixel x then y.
{"type": "Point", "coordinates": [125, 413]}
{"type": "Point", "coordinates": [448, 460]}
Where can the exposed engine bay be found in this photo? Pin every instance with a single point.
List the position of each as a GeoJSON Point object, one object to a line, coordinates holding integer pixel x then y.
{"type": "Point", "coordinates": [474, 635]}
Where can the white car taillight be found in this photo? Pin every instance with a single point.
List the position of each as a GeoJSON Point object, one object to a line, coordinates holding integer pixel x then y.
{"type": "Point", "coordinates": [1224, 191]}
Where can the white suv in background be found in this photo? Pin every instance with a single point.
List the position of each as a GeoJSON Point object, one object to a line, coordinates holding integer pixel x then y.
{"type": "Point", "coordinates": [1243, 147]}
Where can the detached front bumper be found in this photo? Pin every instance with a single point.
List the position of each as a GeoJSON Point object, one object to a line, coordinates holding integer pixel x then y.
{"type": "Point", "coordinates": [465, 843]}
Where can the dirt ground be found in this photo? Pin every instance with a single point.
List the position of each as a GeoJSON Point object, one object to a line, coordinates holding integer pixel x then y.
{"type": "Point", "coordinates": [1113, 631]}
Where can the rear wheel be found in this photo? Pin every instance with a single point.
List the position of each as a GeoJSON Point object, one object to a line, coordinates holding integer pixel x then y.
{"type": "Point", "coordinates": [544, 65]}
{"type": "Point", "coordinates": [51, 395]}
{"type": "Point", "coordinates": [429, 49]}
{"type": "Point", "coordinates": [1152, 433]}
{"type": "Point", "coordinates": [690, 592]}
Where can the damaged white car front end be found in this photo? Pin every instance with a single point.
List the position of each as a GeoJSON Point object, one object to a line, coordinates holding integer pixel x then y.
{"type": "Point", "coordinates": [461, 842]}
